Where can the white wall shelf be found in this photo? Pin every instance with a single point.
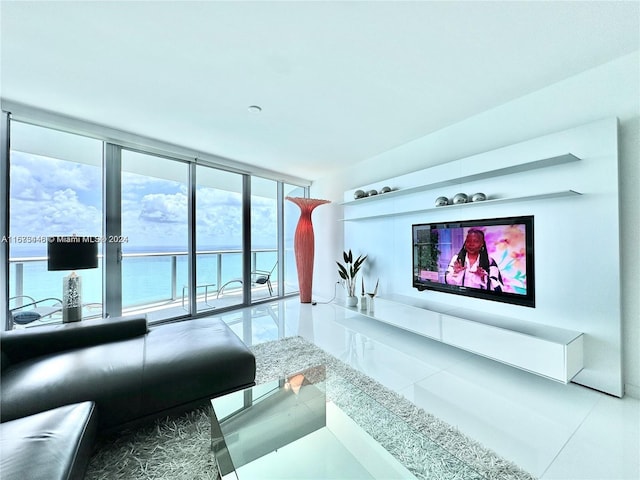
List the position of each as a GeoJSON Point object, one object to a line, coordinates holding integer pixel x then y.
{"type": "Point", "coordinates": [447, 180]}
{"type": "Point", "coordinates": [548, 351]}
{"type": "Point", "coordinates": [540, 196]}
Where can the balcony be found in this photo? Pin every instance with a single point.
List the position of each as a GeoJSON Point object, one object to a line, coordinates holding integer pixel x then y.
{"type": "Point", "coordinates": [154, 283]}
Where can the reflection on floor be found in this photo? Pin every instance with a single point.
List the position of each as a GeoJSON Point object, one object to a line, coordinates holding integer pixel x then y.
{"type": "Point", "coordinates": [552, 430]}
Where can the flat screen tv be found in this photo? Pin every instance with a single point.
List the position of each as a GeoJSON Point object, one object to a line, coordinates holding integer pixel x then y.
{"type": "Point", "coordinates": [490, 259]}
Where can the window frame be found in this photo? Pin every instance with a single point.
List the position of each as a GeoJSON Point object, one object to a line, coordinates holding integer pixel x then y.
{"type": "Point", "coordinates": [114, 142]}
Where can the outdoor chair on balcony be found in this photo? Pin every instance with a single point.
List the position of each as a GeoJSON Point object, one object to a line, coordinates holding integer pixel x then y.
{"type": "Point", "coordinates": [206, 286]}
{"type": "Point", "coordinates": [258, 277]}
{"type": "Point", "coordinates": [32, 310]}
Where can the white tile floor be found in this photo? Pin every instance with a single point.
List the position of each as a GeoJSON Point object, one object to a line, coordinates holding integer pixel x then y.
{"type": "Point", "coordinates": [552, 430]}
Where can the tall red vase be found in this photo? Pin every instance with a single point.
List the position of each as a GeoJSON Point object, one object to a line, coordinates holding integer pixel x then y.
{"type": "Point", "coordinates": [304, 245]}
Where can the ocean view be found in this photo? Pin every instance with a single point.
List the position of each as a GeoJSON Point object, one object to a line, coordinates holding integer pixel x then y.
{"type": "Point", "coordinates": [145, 279]}
{"type": "Point", "coordinates": [53, 193]}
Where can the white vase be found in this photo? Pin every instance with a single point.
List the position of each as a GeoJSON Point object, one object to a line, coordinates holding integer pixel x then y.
{"type": "Point", "coordinates": [352, 301]}
{"type": "Point", "coordinates": [371, 306]}
{"type": "Point", "coordinates": [363, 303]}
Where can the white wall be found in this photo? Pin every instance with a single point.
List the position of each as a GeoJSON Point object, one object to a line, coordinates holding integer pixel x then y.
{"type": "Point", "coordinates": [576, 237]}
{"type": "Point", "coordinates": [608, 91]}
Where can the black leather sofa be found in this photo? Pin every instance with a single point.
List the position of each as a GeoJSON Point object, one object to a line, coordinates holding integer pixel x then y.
{"type": "Point", "coordinates": [55, 444]}
{"type": "Point", "coordinates": [110, 373]}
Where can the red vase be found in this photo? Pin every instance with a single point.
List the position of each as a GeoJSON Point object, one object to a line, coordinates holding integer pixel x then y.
{"type": "Point", "coordinates": [303, 245]}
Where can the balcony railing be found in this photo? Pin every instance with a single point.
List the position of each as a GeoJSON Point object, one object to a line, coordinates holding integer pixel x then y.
{"type": "Point", "coordinates": [150, 279]}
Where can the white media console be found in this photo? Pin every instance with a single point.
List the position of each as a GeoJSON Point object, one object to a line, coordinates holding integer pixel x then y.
{"type": "Point", "coordinates": [548, 351]}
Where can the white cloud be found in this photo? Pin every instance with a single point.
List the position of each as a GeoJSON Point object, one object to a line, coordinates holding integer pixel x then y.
{"type": "Point", "coordinates": [50, 196]}
{"type": "Point", "coordinates": [62, 214]}
{"type": "Point", "coordinates": [163, 208]}
{"type": "Point", "coordinates": [53, 174]}
{"type": "Point", "coordinates": [24, 186]}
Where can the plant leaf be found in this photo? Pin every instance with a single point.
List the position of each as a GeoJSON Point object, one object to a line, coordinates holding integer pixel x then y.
{"type": "Point", "coordinates": [359, 261]}
{"type": "Point", "coordinates": [345, 257]}
{"type": "Point", "coordinates": [342, 271]}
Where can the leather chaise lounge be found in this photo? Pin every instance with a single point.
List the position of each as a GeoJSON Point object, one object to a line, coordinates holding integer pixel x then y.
{"type": "Point", "coordinates": [62, 384]}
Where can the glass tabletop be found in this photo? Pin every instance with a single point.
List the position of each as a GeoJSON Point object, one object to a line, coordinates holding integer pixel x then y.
{"type": "Point", "coordinates": [306, 426]}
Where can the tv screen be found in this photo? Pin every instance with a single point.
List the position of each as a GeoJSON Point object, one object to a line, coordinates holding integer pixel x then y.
{"type": "Point", "coordinates": [490, 259]}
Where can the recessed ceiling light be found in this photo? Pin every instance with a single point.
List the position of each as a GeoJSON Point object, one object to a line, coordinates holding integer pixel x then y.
{"type": "Point", "coordinates": [255, 109]}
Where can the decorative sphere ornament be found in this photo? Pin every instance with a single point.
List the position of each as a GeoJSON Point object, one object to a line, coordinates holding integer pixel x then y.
{"type": "Point", "coordinates": [385, 190]}
{"type": "Point", "coordinates": [478, 197]}
{"type": "Point", "coordinates": [459, 198]}
{"type": "Point", "coordinates": [371, 193]}
{"type": "Point", "coordinates": [359, 194]}
{"type": "Point", "coordinates": [442, 201]}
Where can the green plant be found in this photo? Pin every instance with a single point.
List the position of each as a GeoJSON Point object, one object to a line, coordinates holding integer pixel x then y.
{"type": "Point", "coordinates": [349, 270]}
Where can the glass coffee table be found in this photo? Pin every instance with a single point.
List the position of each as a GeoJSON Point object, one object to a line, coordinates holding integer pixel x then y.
{"type": "Point", "coordinates": [307, 427]}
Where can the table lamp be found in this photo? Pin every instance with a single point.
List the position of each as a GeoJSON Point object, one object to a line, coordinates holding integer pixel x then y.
{"type": "Point", "coordinates": [72, 253]}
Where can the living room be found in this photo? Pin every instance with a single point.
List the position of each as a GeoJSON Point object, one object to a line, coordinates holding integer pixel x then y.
{"type": "Point", "coordinates": [427, 98]}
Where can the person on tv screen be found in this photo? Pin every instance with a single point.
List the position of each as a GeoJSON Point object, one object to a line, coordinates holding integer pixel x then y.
{"type": "Point", "coordinates": [473, 267]}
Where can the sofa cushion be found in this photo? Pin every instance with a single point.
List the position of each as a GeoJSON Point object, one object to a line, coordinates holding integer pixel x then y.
{"type": "Point", "coordinates": [24, 318]}
{"type": "Point", "coordinates": [5, 361]}
{"type": "Point", "coordinates": [21, 345]}
{"type": "Point", "coordinates": [51, 445]}
{"type": "Point", "coordinates": [194, 360]}
{"type": "Point", "coordinates": [109, 374]}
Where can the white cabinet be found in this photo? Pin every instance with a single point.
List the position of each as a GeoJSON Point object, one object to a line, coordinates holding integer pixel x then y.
{"type": "Point", "coordinates": [407, 317]}
{"type": "Point", "coordinates": [548, 351]}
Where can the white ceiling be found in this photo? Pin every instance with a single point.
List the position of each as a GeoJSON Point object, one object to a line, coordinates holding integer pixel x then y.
{"type": "Point", "coordinates": [338, 82]}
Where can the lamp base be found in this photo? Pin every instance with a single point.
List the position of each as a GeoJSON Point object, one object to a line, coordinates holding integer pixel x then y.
{"type": "Point", "coordinates": [71, 298]}
{"type": "Point", "coordinates": [71, 314]}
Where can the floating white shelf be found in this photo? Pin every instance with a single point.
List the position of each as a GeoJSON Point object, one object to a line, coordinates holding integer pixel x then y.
{"type": "Point", "coordinates": [539, 196]}
{"type": "Point", "coordinates": [504, 170]}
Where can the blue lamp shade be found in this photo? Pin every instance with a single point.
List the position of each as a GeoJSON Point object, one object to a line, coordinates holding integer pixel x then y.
{"type": "Point", "coordinates": [72, 253]}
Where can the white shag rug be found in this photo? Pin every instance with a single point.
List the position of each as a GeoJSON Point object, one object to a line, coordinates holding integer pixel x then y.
{"type": "Point", "coordinates": [179, 447]}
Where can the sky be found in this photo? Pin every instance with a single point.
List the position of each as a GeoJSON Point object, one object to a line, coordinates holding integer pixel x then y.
{"type": "Point", "coordinates": [50, 196]}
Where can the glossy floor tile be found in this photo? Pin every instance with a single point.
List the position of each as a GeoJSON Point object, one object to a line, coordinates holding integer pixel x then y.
{"type": "Point", "coordinates": [554, 431]}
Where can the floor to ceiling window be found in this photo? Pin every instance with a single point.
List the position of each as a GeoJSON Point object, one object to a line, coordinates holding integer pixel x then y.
{"type": "Point", "coordinates": [55, 189]}
{"type": "Point", "coordinates": [264, 238]}
{"type": "Point", "coordinates": [189, 237]}
{"type": "Point", "coordinates": [218, 230]}
{"type": "Point", "coordinates": [155, 238]}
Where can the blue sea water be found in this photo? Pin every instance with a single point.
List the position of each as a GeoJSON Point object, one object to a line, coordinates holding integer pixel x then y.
{"type": "Point", "coordinates": [144, 279]}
